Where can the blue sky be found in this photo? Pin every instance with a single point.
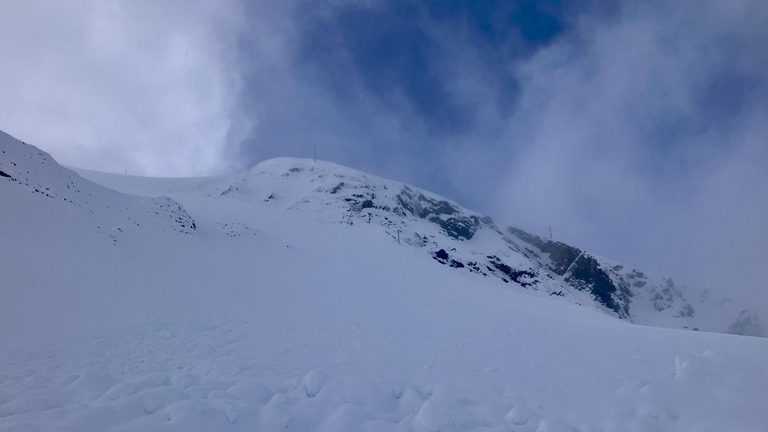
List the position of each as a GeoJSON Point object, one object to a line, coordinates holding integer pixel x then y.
{"type": "Point", "coordinates": [636, 129]}
{"type": "Point", "coordinates": [404, 60]}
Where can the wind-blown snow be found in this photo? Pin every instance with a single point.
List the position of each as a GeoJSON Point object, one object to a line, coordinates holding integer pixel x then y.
{"type": "Point", "coordinates": [273, 314]}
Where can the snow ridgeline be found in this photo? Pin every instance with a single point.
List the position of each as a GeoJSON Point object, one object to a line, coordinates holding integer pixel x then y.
{"type": "Point", "coordinates": [32, 171]}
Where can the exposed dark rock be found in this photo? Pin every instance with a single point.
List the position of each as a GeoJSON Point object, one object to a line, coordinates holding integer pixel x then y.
{"type": "Point", "coordinates": [3, 174]}
{"type": "Point", "coordinates": [337, 188]}
{"type": "Point", "coordinates": [360, 202]}
{"type": "Point", "coordinates": [523, 277]}
{"type": "Point", "coordinates": [442, 257]}
{"type": "Point", "coordinates": [474, 267]}
{"type": "Point", "coordinates": [230, 190]}
{"type": "Point", "coordinates": [404, 204]}
{"type": "Point", "coordinates": [438, 207]}
{"type": "Point", "coordinates": [459, 228]}
{"type": "Point", "coordinates": [560, 254]}
{"type": "Point", "coordinates": [586, 275]}
{"type": "Point", "coordinates": [456, 225]}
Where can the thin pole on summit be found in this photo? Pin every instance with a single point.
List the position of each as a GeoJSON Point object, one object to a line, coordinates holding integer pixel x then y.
{"type": "Point", "coordinates": [314, 154]}
{"type": "Point", "coordinates": [550, 233]}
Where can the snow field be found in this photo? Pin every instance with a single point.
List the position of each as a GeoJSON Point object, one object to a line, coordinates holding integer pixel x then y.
{"type": "Point", "coordinates": [203, 374]}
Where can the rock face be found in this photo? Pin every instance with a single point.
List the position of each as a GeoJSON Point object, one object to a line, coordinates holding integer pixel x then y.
{"type": "Point", "coordinates": [579, 270]}
{"type": "Point", "coordinates": [443, 213]}
{"type": "Point", "coordinates": [613, 285]}
{"type": "Point", "coordinates": [586, 274]}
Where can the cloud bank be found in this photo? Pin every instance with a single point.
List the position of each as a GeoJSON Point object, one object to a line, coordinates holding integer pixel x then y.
{"type": "Point", "coordinates": [117, 85]}
{"type": "Point", "coordinates": [635, 129]}
{"type": "Point", "coordinates": [647, 142]}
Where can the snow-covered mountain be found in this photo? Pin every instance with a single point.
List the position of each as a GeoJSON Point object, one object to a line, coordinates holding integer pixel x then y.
{"type": "Point", "coordinates": [307, 296]}
{"type": "Point", "coordinates": [453, 236]}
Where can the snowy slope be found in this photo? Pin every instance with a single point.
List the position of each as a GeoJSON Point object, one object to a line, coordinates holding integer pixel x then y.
{"type": "Point", "coordinates": [29, 172]}
{"type": "Point", "coordinates": [269, 316]}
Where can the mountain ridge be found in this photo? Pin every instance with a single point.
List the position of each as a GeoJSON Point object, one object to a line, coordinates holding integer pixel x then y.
{"type": "Point", "coordinates": [454, 236]}
{"type": "Point", "coordinates": [450, 234]}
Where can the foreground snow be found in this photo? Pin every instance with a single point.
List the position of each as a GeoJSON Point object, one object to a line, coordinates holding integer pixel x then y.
{"type": "Point", "coordinates": [284, 321]}
{"type": "Point", "coordinates": [216, 374]}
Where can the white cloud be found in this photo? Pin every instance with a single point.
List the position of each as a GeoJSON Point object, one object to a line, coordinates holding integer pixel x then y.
{"type": "Point", "coordinates": [120, 84]}
{"type": "Point", "coordinates": [623, 155]}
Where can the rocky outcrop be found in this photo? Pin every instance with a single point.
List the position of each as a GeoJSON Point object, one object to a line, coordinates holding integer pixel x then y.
{"type": "Point", "coordinates": [610, 284]}
{"type": "Point", "coordinates": [586, 274]}
{"type": "Point", "coordinates": [443, 213]}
